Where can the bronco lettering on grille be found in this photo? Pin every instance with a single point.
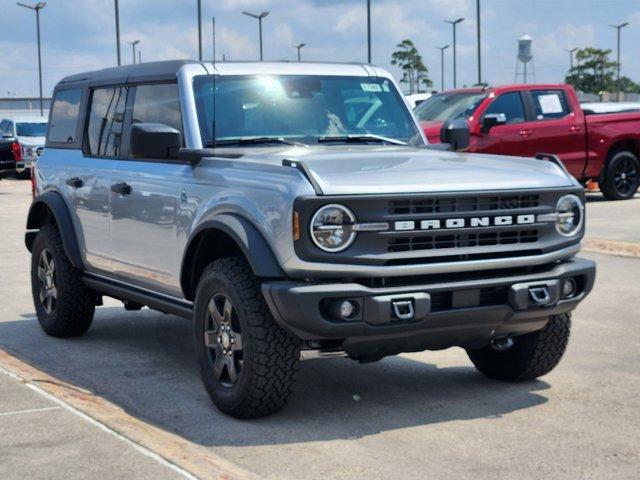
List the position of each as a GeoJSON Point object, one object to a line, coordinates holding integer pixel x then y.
{"type": "Point", "coordinates": [473, 222]}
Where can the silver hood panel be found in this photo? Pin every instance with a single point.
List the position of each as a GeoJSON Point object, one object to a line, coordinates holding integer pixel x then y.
{"type": "Point", "coordinates": [363, 170]}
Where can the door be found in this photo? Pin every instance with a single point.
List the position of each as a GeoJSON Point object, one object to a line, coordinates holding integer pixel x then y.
{"type": "Point", "coordinates": [514, 137]}
{"type": "Point", "coordinates": [559, 130]}
{"type": "Point", "coordinates": [147, 200]}
{"type": "Point", "coordinates": [90, 180]}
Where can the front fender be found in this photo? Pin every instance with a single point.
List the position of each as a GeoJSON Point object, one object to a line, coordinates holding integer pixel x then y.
{"type": "Point", "coordinates": [51, 206]}
{"type": "Point", "coordinates": [247, 237]}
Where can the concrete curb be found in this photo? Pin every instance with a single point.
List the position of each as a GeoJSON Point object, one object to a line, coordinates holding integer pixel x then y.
{"type": "Point", "coordinates": [611, 247]}
{"type": "Point", "coordinates": [192, 458]}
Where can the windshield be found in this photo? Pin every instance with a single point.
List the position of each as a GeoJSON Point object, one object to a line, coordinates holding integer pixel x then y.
{"type": "Point", "coordinates": [303, 108]}
{"type": "Point", "coordinates": [31, 129]}
{"type": "Point", "coordinates": [449, 106]}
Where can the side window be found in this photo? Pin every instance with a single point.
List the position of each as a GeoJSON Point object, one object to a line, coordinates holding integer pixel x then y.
{"type": "Point", "coordinates": [3, 128]}
{"type": "Point", "coordinates": [9, 129]}
{"type": "Point", "coordinates": [64, 116]}
{"type": "Point", "coordinates": [550, 104]}
{"type": "Point", "coordinates": [158, 103]}
{"type": "Point", "coordinates": [106, 116]}
{"type": "Point", "coordinates": [509, 104]}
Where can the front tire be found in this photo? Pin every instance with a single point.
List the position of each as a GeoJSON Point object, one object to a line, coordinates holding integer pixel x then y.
{"type": "Point", "coordinates": [530, 356]}
{"type": "Point", "coordinates": [64, 305]}
{"type": "Point", "coordinates": [248, 364]}
{"type": "Point", "coordinates": [621, 176]}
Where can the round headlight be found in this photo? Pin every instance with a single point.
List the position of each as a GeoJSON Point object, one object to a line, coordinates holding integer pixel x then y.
{"type": "Point", "coordinates": [332, 228]}
{"type": "Point", "coordinates": [570, 215]}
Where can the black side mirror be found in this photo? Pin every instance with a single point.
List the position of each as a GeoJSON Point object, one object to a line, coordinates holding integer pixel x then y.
{"type": "Point", "coordinates": [154, 140]}
{"type": "Point", "coordinates": [491, 120]}
{"type": "Point", "coordinates": [455, 133]}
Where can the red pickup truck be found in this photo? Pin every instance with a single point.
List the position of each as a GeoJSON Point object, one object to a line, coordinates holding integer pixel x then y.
{"type": "Point", "coordinates": [523, 120]}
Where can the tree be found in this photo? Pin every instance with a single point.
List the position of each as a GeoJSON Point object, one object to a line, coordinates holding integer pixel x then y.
{"type": "Point", "coordinates": [594, 72]}
{"type": "Point", "coordinates": [414, 71]}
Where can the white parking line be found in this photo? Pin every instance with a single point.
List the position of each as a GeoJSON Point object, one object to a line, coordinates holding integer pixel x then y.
{"type": "Point", "coordinates": [135, 446]}
{"type": "Point", "coordinates": [31, 410]}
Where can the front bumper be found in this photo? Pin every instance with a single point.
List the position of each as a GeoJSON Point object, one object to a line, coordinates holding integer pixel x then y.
{"type": "Point", "coordinates": [467, 313]}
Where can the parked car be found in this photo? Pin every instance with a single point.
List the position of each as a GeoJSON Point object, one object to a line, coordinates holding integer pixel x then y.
{"type": "Point", "coordinates": [330, 229]}
{"type": "Point", "coordinates": [523, 120]}
{"type": "Point", "coordinates": [416, 99]}
{"type": "Point", "coordinates": [23, 135]}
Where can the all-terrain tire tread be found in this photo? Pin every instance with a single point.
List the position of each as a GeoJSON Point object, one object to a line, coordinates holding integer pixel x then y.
{"type": "Point", "coordinates": [538, 353]}
{"type": "Point", "coordinates": [75, 305]}
{"type": "Point", "coordinates": [275, 363]}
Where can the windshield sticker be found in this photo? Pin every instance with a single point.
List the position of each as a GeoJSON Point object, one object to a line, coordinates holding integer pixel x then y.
{"type": "Point", "coordinates": [550, 103]}
{"type": "Point", "coordinates": [371, 87]}
{"type": "Point", "coordinates": [385, 87]}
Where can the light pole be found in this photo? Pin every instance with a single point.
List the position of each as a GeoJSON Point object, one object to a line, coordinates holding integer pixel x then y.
{"type": "Point", "coordinates": [478, 42]}
{"type": "Point", "coordinates": [133, 45]}
{"type": "Point", "coordinates": [259, 18]}
{"type": "Point", "coordinates": [37, 7]}
{"type": "Point", "coordinates": [618, 28]}
{"type": "Point", "coordinates": [299, 47]}
{"type": "Point", "coordinates": [454, 23]}
{"type": "Point", "coordinates": [368, 31]}
{"type": "Point", "coordinates": [118, 32]}
{"type": "Point", "coordinates": [200, 30]}
{"type": "Point", "coordinates": [442, 49]}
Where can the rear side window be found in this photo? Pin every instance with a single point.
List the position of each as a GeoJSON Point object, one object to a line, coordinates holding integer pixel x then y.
{"type": "Point", "coordinates": [106, 118]}
{"type": "Point", "coordinates": [64, 116]}
{"type": "Point", "coordinates": [159, 103]}
{"type": "Point", "coordinates": [509, 104]}
{"type": "Point", "coordinates": [550, 104]}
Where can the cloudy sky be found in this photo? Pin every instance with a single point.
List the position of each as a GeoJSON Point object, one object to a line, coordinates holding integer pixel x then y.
{"type": "Point", "coordinates": [79, 35]}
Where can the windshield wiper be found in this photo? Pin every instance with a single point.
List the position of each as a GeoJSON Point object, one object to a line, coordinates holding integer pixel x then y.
{"type": "Point", "coordinates": [252, 141]}
{"type": "Point", "coordinates": [355, 137]}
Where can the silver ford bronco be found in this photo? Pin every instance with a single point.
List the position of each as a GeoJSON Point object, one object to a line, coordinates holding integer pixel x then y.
{"type": "Point", "coordinates": [289, 207]}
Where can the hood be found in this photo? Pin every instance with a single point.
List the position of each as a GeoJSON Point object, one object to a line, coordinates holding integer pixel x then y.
{"type": "Point", "coordinates": [363, 170]}
{"type": "Point", "coordinates": [31, 141]}
{"type": "Point", "coordinates": [432, 130]}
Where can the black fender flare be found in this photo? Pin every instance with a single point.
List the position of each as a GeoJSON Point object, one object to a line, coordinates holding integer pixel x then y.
{"type": "Point", "coordinates": [251, 242]}
{"type": "Point", "coordinates": [52, 203]}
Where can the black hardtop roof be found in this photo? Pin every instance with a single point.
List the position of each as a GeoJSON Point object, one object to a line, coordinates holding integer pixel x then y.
{"type": "Point", "coordinates": [142, 72]}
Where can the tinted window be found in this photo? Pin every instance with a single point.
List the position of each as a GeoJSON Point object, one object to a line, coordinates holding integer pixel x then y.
{"type": "Point", "coordinates": [64, 116]}
{"type": "Point", "coordinates": [302, 107]}
{"type": "Point", "coordinates": [158, 104]}
{"type": "Point", "coordinates": [31, 129]}
{"type": "Point", "coordinates": [446, 106]}
{"type": "Point", "coordinates": [106, 117]}
{"type": "Point", "coordinates": [509, 104]}
{"type": "Point", "coordinates": [4, 127]}
{"type": "Point", "coordinates": [549, 104]}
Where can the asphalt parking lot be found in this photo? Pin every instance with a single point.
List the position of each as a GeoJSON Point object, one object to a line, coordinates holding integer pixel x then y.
{"type": "Point", "coordinates": [125, 400]}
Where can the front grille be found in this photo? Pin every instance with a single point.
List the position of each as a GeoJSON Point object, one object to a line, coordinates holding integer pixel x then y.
{"type": "Point", "coordinates": [462, 204]}
{"type": "Point", "coordinates": [463, 240]}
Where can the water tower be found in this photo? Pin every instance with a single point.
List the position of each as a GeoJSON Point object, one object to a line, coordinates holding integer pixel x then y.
{"type": "Point", "coordinates": [525, 56]}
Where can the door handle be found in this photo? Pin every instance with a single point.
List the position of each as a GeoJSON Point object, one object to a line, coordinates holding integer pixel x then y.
{"type": "Point", "coordinates": [525, 133]}
{"type": "Point", "coordinates": [574, 129]}
{"type": "Point", "coordinates": [75, 182]}
{"type": "Point", "coordinates": [122, 188]}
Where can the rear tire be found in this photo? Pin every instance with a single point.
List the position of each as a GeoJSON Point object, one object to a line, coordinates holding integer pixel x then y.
{"type": "Point", "coordinates": [531, 356]}
{"type": "Point", "coordinates": [621, 176]}
{"type": "Point", "coordinates": [248, 364]}
{"type": "Point", "coordinates": [64, 305]}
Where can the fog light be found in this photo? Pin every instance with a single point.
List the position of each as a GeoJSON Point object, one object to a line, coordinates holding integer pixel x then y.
{"type": "Point", "coordinates": [569, 288]}
{"type": "Point", "coordinates": [348, 309]}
